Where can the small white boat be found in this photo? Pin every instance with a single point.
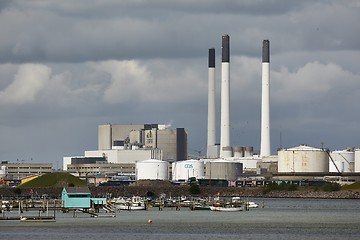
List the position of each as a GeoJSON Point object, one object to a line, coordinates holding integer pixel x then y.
{"type": "Point", "coordinates": [136, 203]}
{"type": "Point", "coordinates": [252, 205]}
{"type": "Point", "coordinates": [119, 200]}
{"type": "Point", "coordinates": [227, 208]}
{"type": "Point", "coordinates": [37, 219]}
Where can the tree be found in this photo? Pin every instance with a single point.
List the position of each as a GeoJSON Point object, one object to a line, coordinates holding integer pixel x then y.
{"type": "Point", "coordinates": [194, 189]}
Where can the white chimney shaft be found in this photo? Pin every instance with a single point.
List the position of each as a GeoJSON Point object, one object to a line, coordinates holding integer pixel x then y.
{"type": "Point", "coordinates": [225, 147]}
{"type": "Point", "coordinates": [265, 101]}
{"type": "Point", "coordinates": [211, 134]}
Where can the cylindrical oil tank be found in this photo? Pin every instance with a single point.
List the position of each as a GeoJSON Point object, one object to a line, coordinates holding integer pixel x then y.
{"type": "Point", "coordinates": [249, 151]}
{"type": "Point", "coordinates": [3, 171]}
{"type": "Point", "coordinates": [238, 151]}
{"type": "Point", "coordinates": [303, 159]}
{"type": "Point", "coordinates": [152, 169]}
{"type": "Point", "coordinates": [357, 160]}
{"type": "Point", "coordinates": [183, 170]}
{"type": "Point", "coordinates": [223, 169]}
{"type": "Point", "coordinates": [343, 159]}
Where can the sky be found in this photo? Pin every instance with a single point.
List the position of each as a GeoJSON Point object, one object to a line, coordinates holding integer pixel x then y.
{"type": "Point", "coordinates": [68, 66]}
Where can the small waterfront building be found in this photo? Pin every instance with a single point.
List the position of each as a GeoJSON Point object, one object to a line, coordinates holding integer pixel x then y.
{"type": "Point", "coordinates": [79, 197]}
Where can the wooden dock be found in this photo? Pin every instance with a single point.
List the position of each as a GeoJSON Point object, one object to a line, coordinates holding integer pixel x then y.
{"type": "Point", "coordinates": [37, 219]}
{"type": "Point", "coordinates": [28, 218]}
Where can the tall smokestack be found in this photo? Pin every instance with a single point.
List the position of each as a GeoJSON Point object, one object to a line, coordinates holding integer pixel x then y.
{"type": "Point", "coordinates": [265, 101]}
{"type": "Point", "coordinates": [225, 148]}
{"type": "Point", "coordinates": [211, 134]}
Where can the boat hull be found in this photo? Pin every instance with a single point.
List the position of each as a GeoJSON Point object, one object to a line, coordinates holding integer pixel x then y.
{"type": "Point", "coordinates": [133, 208]}
{"type": "Point", "coordinates": [226, 209]}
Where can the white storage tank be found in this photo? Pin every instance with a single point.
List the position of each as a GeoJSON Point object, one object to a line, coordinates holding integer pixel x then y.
{"type": "Point", "coordinates": [152, 169]}
{"type": "Point", "coordinates": [3, 171]}
{"type": "Point", "coordinates": [357, 160]}
{"type": "Point", "coordinates": [183, 170]}
{"type": "Point", "coordinates": [343, 159]}
{"type": "Point", "coordinates": [223, 169]}
{"type": "Point", "coordinates": [238, 151]}
{"type": "Point", "coordinates": [303, 159]}
{"type": "Point", "coordinates": [249, 151]}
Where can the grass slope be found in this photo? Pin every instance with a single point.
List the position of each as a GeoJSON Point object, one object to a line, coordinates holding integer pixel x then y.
{"type": "Point", "coordinates": [55, 180]}
{"type": "Point", "coordinates": [354, 186]}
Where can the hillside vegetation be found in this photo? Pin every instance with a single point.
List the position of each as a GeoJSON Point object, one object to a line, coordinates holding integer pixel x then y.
{"type": "Point", "coordinates": [354, 186]}
{"type": "Point", "coordinates": [58, 179]}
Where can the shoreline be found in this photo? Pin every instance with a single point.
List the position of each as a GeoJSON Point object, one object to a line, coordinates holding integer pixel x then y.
{"type": "Point", "coordinates": [174, 191]}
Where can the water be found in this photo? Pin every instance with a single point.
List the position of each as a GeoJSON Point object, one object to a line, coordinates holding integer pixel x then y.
{"type": "Point", "coordinates": [279, 219]}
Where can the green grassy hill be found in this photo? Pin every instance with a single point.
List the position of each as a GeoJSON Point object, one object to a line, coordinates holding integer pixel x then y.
{"type": "Point", "coordinates": [58, 179]}
{"type": "Point", "coordinates": [354, 186]}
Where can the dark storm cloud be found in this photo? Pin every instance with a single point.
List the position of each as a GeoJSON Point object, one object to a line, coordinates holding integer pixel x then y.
{"type": "Point", "coordinates": [4, 4]}
{"type": "Point", "coordinates": [76, 32]}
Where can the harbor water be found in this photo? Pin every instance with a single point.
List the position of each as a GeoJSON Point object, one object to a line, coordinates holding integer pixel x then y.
{"type": "Point", "coordinates": [278, 219]}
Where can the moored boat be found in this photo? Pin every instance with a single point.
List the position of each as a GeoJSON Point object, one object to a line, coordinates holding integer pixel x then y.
{"type": "Point", "coordinates": [37, 219]}
{"type": "Point", "coordinates": [136, 203]}
{"type": "Point", "coordinates": [227, 208]}
{"type": "Point", "coordinates": [199, 207]}
{"type": "Point", "coordinates": [251, 205]}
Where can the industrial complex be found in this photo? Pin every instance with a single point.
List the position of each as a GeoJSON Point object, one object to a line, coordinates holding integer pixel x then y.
{"type": "Point", "coordinates": [130, 152]}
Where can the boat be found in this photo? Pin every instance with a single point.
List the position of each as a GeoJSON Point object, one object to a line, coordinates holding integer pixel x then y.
{"type": "Point", "coordinates": [227, 208]}
{"type": "Point", "coordinates": [119, 200]}
{"type": "Point", "coordinates": [199, 207]}
{"type": "Point", "coordinates": [136, 203]}
{"type": "Point", "coordinates": [251, 205]}
{"type": "Point", "coordinates": [235, 205]}
{"type": "Point", "coordinates": [37, 219]}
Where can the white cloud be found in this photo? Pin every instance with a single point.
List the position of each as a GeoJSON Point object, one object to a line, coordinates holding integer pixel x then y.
{"type": "Point", "coordinates": [312, 81]}
{"type": "Point", "coordinates": [28, 83]}
{"type": "Point", "coordinates": [151, 81]}
{"type": "Point", "coordinates": [129, 80]}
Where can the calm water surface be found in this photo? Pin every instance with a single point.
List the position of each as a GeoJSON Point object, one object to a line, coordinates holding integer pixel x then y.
{"type": "Point", "coordinates": [279, 219]}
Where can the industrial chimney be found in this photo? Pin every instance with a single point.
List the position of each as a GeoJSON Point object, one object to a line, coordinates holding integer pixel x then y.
{"type": "Point", "coordinates": [211, 134]}
{"type": "Point", "coordinates": [225, 147]}
{"type": "Point", "coordinates": [265, 101]}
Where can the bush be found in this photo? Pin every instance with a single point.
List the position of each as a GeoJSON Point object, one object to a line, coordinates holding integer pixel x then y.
{"type": "Point", "coordinates": [331, 187]}
{"type": "Point", "coordinates": [280, 187]}
{"type": "Point", "coordinates": [293, 187]}
{"type": "Point", "coordinates": [194, 189]}
{"type": "Point", "coordinates": [17, 191]}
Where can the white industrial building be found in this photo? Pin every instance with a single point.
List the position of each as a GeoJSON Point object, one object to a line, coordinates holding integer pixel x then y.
{"type": "Point", "coordinates": [127, 144]}
{"type": "Point", "coordinates": [21, 170]}
{"type": "Point", "coordinates": [172, 142]}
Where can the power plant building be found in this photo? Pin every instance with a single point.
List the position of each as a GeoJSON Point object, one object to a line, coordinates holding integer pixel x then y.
{"type": "Point", "coordinates": [172, 142]}
{"type": "Point", "coordinates": [122, 147]}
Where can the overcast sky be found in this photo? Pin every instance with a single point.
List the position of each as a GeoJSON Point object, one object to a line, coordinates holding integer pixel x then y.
{"type": "Point", "coordinates": [67, 66]}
